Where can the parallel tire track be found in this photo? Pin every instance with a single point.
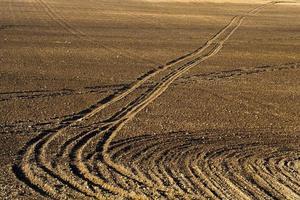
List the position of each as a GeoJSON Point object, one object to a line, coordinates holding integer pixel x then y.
{"type": "Point", "coordinates": [227, 74]}
{"type": "Point", "coordinates": [236, 171]}
{"type": "Point", "coordinates": [61, 21]}
{"type": "Point", "coordinates": [212, 76]}
{"type": "Point", "coordinates": [76, 160]}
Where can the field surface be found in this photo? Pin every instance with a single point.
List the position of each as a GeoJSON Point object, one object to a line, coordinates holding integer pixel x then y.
{"type": "Point", "coordinates": [154, 99]}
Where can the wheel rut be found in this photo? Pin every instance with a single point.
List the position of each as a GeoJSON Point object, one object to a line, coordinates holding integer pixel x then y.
{"type": "Point", "coordinates": [80, 159]}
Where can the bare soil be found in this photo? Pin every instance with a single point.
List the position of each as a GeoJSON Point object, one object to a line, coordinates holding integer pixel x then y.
{"type": "Point", "coordinates": [149, 99]}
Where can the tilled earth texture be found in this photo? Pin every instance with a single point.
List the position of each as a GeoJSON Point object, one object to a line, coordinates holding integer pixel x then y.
{"type": "Point", "coordinates": [154, 99]}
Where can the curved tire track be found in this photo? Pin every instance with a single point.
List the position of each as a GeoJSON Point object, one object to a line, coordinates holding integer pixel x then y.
{"type": "Point", "coordinates": [82, 164]}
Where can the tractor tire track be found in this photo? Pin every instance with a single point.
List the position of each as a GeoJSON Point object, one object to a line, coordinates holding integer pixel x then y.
{"type": "Point", "coordinates": [230, 164]}
{"type": "Point", "coordinates": [60, 20]}
{"type": "Point", "coordinates": [227, 74]}
{"type": "Point", "coordinates": [41, 167]}
{"type": "Point", "coordinates": [212, 76]}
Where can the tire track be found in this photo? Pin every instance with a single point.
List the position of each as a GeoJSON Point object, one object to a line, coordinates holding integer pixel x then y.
{"type": "Point", "coordinates": [60, 20]}
{"type": "Point", "coordinates": [222, 165]}
{"type": "Point", "coordinates": [214, 76]}
{"type": "Point", "coordinates": [73, 169]}
{"type": "Point", "coordinates": [3, 27]}
{"type": "Point", "coordinates": [8, 96]}
{"type": "Point", "coordinates": [164, 85]}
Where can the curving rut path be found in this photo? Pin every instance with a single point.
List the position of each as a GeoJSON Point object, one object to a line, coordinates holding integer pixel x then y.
{"type": "Point", "coordinates": [80, 158]}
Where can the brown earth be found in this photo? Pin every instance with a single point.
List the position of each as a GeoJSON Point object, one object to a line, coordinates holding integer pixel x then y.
{"type": "Point", "coordinates": [149, 100]}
